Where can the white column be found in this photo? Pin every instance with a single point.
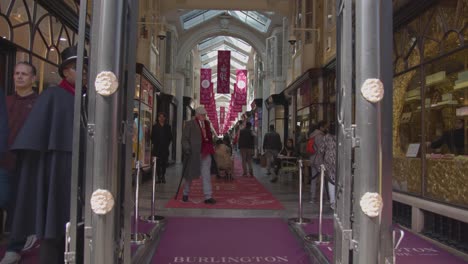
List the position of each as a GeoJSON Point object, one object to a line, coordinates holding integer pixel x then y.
{"type": "Point", "coordinates": [179, 87]}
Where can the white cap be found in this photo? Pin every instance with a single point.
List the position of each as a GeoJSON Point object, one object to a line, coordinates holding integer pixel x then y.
{"type": "Point", "coordinates": [200, 110]}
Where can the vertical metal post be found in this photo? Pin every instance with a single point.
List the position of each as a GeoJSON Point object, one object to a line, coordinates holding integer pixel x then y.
{"type": "Point", "coordinates": [320, 238]}
{"type": "Point", "coordinates": [77, 170]}
{"type": "Point", "coordinates": [136, 213]}
{"type": "Point", "coordinates": [137, 237]}
{"type": "Point", "coordinates": [130, 49]}
{"type": "Point", "coordinates": [345, 134]}
{"type": "Point", "coordinates": [369, 65]}
{"type": "Point", "coordinates": [299, 220]}
{"type": "Point", "coordinates": [153, 218]}
{"type": "Point", "coordinates": [386, 252]}
{"type": "Point", "coordinates": [106, 55]}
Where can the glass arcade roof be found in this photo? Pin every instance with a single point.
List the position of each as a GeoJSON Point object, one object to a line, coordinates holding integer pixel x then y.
{"type": "Point", "coordinates": [253, 19]}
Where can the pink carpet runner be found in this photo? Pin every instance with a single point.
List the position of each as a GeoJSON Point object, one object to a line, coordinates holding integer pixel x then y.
{"type": "Point", "coordinates": [240, 193]}
{"type": "Point", "coordinates": [412, 249]}
{"type": "Point", "coordinates": [229, 240]}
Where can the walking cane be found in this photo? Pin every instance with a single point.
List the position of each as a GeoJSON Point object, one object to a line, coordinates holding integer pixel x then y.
{"type": "Point", "coordinates": [181, 178]}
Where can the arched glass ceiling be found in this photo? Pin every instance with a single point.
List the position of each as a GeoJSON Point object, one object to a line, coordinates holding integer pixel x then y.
{"type": "Point", "coordinates": [234, 42]}
{"type": "Point", "coordinates": [253, 19]}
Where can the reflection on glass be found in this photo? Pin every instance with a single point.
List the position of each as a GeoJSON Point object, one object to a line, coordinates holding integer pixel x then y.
{"type": "Point", "coordinates": [446, 113]}
{"type": "Point", "coordinates": [407, 133]}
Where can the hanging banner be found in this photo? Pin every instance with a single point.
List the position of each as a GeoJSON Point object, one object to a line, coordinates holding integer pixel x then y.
{"type": "Point", "coordinates": [241, 85]}
{"type": "Point", "coordinates": [205, 83]}
{"type": "Point", "coordinates": [224, 70]}
{"type": "Point", "coordinates": [221, 115]}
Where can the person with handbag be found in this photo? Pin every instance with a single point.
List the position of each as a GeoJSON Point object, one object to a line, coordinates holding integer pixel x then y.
{"type": "Point", "coordinates": [316, 158]}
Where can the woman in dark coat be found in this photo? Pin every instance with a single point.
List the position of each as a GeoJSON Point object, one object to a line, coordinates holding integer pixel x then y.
{"type": "Point", "coordinates": [161, 137]}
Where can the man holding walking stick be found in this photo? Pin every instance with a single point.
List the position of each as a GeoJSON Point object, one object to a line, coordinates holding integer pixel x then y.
{"type": "Point", "coordinates": [197, 146]}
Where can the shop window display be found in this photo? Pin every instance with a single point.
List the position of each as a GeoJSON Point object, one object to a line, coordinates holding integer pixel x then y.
{"type": "Point", "coordinates": [143, 120]}
{"type": "Point", "coordinates": [446, 105]}
{"type": "Point", "coordinates": [407, 165]}
{"type": "Point", "coordinates": [430, 114]}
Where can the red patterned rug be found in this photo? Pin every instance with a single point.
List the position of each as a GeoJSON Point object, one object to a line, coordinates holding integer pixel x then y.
{"type": "Point", "coordinates": [239, 193]}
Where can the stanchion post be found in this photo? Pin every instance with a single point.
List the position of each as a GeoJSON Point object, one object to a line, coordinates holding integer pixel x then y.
{"type": "Point", "coordinates": [320, 238]}
{"type": "Point", "coordinates": [300, 220]}
{"type": "Point", "coordinates": [153, 218]}
{"type": "Point", "coordinates": [138, 238]}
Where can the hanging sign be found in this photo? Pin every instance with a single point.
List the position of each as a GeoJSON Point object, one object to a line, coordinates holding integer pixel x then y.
{"type": "Point", "coordinates": [241, 85]}
{"type": "Point", "coordinates": [205, 83]}
{"type": "Point", "coordinates": [224, 70]}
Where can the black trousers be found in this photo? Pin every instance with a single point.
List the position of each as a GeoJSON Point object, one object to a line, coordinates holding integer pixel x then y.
{"type": "Point", "coordinates": [52, 251]}
{"type": "Point", "coordinates": [161, 165]}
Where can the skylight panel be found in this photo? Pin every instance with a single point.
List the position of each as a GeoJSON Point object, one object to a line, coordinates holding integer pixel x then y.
{"type": "Point", "coordinates": [253, 19]}
{"type": "Point", "coordinates": [237, 65]}
{"type": "Point", "coordinates": [210, 42]}
{"type": "Point", "coordinates": [197, 17]}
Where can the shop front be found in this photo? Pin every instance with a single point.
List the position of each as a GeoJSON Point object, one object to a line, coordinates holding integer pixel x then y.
{"type": "Point", "coordinates": [278, 111]}
{"type": "Point", "coordinates": [430, 143]}
{"type": "Point", "coordinates": [30, 32]}
{"type": "Point", "coordinates": [313, 99]}
{"type": "Point", "coordinates": [144, 110]}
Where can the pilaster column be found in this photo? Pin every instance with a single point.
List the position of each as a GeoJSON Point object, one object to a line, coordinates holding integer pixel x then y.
{"type": "Point", "coordinates": [179, 93]}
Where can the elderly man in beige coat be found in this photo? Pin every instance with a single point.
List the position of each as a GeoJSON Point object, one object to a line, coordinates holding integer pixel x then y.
{"type": "Point", "coordinates": [197, 146]}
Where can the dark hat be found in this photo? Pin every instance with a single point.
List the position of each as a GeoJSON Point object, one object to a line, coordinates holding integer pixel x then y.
{"type": "Point", "coordinates": [69, 55]}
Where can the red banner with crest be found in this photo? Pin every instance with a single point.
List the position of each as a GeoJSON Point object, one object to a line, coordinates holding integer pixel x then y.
{"type": "Point", "coordinates": [205, 86]}
{"type": "Point", "coordinates": [224, 71]}
{"type": "Point", "coordinates": [240, 87]}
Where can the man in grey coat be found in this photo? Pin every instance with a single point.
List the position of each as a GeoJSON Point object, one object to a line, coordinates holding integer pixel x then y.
{"type": "Point", "coordinates": [316, 159]}
{"type": "Point", "coordinates": [197, 146]}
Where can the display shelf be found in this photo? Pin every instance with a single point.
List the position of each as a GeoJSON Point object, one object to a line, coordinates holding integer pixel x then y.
{"type": "Point", "coordinates": [445, 81]}
{"type": "Point", "coordinates": [438, 106]}
{"type": "Point", "coordinates": [462, 89]}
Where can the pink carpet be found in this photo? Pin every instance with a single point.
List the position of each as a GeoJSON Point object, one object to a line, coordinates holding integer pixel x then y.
{"type": "Point", "coordinates": [240, 193]}
{"type": "Point", "coordinates": [228, 240]}
{"type": "Point", "coordinates": [413, 249]}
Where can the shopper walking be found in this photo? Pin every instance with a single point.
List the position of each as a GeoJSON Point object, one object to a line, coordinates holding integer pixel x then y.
{"type": "Point", "coordinates": [328, 151]}
{"type": "Point", "coordinates": [197, 145]}
{"type": "Point", "coordinates": [246, 146]}
{"type": "Point", "coordinates": [272, 146]}
{"type": "Point", "coordinates": [316, 157]}
{"type": "Point", "coordinates": [161, 138]}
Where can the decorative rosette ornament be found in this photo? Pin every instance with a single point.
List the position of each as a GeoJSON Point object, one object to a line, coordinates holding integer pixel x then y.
{"type": "Point", "coordinates": [205, 84]}
{"type": "Point", "coordinates": [106, 83]}
{"type": "Point", "coordinates": [102, 201]}
{"type": "Point", "coordinates": [371, 204]}
{"type": "Point", "coordinates": [241, 84]}
{"type": "Point", "coordinates": [372, 90]}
